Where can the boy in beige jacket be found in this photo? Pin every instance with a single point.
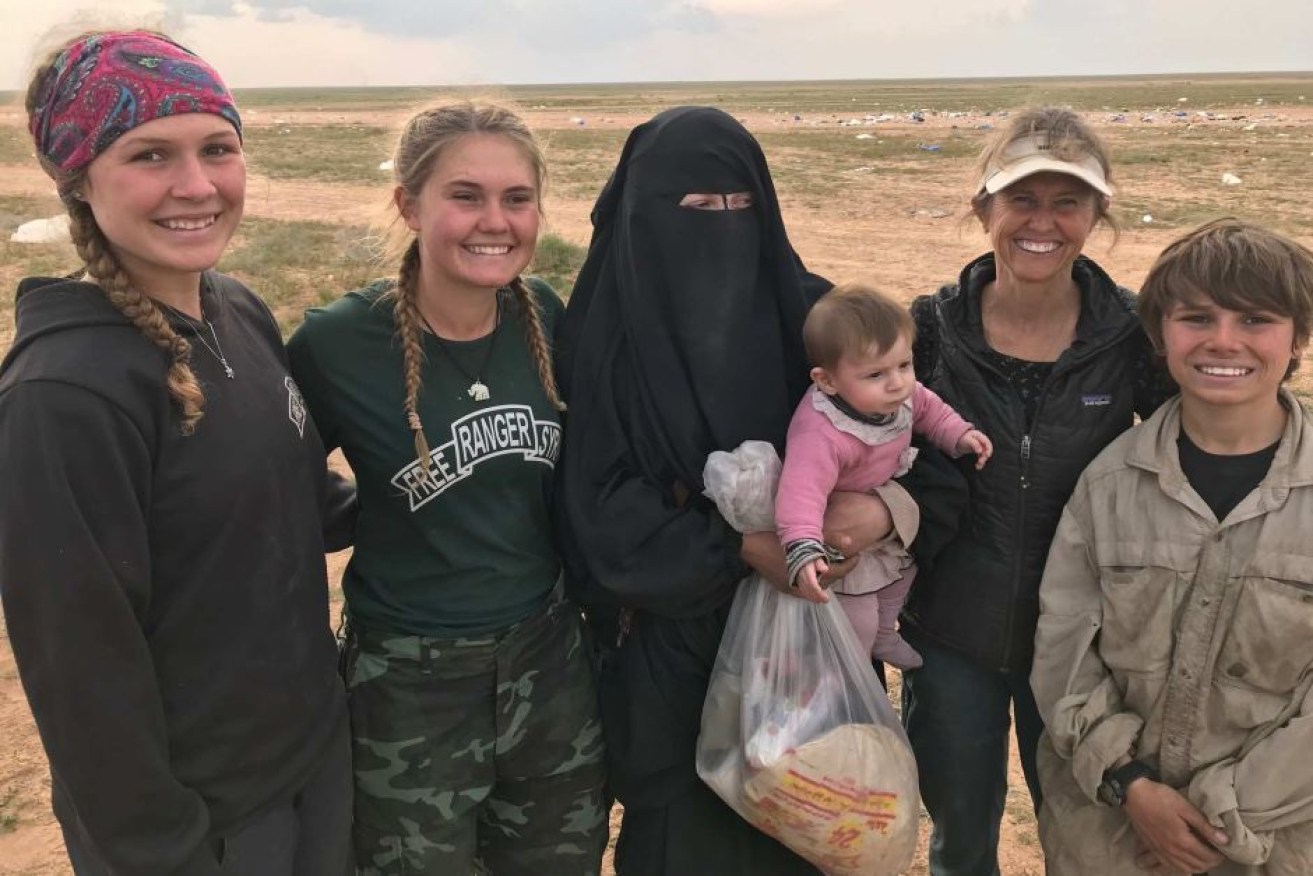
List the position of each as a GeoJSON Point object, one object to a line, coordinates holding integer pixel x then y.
{"type": "Point", "coordinates": [1174, 654]}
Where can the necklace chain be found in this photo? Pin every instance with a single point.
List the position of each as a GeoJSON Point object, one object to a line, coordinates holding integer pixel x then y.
{"type": "Point", "coordinates": [478, 390]}
{"type": "Point", "coordinates": [217, 350]}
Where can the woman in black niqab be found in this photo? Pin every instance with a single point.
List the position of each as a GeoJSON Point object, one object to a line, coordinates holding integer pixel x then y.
{"type": "Point", "coordinates": [683, 336]}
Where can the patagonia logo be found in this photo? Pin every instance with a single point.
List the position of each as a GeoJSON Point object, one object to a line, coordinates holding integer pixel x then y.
{"type": "Point", "coordinates": [1096, 400]}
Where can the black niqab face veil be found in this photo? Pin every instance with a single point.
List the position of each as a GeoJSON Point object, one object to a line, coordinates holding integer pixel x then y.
{"type": "Point", "coordinates": [683, 336]}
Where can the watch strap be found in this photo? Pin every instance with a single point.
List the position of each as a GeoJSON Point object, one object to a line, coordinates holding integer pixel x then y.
{"type": "Point", "coordinates": [1117, 779]}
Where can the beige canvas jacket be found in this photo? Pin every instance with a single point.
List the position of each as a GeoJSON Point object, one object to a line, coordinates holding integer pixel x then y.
{"type": "Point", "coordinates": [1186, 643]}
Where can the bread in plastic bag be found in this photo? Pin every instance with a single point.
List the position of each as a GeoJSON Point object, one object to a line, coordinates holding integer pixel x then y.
{"type": "Point", "coordinates": [799, 738]}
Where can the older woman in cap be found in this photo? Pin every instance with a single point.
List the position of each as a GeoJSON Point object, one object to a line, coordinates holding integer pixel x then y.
{"type": "Point", "coordinates": [161, 552]}
{"type": "Point", "coordinates": [1039, 348]}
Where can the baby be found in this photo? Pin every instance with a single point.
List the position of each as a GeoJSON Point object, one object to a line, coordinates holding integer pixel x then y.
{"type": "Point", "coordinates": [853, 431]}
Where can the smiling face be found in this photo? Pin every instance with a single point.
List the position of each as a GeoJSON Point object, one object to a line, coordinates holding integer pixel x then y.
{"type": "Point", "coordinates": [1228, 358]}
{"type": "Point", "coordinates": [168, 195]}
{"type": "Point", "coordinates": [1038, 226]}
{"type": "Point", "coordinates": [875, 383]}
{"type": "Point", "coordinates": [476, 216]}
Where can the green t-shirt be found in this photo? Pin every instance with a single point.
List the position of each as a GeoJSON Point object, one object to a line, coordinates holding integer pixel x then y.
{"type": "Point", "coordinates": [471, 550]}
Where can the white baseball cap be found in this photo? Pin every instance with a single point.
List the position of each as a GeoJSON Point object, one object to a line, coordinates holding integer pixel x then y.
{"type": "Point", "coordinates": [1030, 155]}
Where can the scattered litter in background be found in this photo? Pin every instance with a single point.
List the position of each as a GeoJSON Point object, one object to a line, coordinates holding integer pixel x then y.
{"type": "Point", "coordinates": [1230, 179]}
{"type": "Point", "coordinates": [1146, 218]}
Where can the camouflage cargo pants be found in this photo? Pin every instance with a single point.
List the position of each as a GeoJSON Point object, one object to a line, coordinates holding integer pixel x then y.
{"type": "Point", "coordinates": [483, 751]}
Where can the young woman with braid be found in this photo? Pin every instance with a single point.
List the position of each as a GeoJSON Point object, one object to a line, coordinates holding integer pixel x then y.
{"type": "Point", "coordinates": [161, 553]}
{"type": "Point", "coordinates": [472, 704]}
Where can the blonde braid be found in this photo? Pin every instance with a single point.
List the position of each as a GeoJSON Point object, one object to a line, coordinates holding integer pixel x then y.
{"type": "Point", "coordinates": [104, 268]}
{"type": "Point", "coordinates": [411, 336]}
{"type": "Point", "coordinates": [537, 340]}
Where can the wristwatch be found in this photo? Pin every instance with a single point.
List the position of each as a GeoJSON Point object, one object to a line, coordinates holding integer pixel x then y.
{"type": "Point", "coordinates": [1112, 790]}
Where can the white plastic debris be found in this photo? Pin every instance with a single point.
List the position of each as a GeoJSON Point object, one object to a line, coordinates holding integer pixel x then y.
{"type": "Point", "coordinates": [1249, 127]}
{"type": "Point", "coordinates": [385, 165]}
{"type": "Point", "coordinates": [1230, 179]}
{"type": "Point", "coordinates": [52, 230]}
{"type": "Point", "coordinates": [1182, 99]}
{"type": "Point", "coordinates": [1146, 218]}
{"type": "Point", "coordinates": [865, 137]}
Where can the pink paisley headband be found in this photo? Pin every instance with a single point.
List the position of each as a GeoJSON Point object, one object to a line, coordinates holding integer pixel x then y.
{"type": "Point", "coordinates": [106, 84]}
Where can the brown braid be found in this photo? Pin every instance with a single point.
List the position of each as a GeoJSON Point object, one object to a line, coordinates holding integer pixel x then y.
{"type": "Point", "coordinates": [410, 335]}
{"type": "Point", "coordinates": [104, 268]}
{"type": "Point", "coordinates": [537, 340]}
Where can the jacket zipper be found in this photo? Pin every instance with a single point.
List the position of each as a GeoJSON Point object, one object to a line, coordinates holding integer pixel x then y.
{"type": "Point", "coordinates": [1025, 461]}
{"type": "Point", "coordinates": [1027, 442]}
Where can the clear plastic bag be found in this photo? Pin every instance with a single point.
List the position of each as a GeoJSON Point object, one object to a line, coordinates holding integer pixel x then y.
{"type": "Point", "coordinates": [742, 484]}
{"type": "Point", "coordinates": [799, 738]}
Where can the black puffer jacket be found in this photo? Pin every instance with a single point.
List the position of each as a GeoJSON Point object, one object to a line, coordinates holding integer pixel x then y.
{"type": "Point", "coordinates": [980, 595]}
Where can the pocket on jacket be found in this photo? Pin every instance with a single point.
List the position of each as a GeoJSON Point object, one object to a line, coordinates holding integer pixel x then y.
{"type": "Point", "coordinates": [1138, 610]}
{"type": "Point", "coordinates": [1269, 642]}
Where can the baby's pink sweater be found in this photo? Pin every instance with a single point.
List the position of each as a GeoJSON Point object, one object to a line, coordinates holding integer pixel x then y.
{"type": "Point", "coordinates": [819, 459]}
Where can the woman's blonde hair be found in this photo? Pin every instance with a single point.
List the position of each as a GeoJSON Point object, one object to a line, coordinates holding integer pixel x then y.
{"type": "Point", "coordinates": [1068, 138]}
{"type": "Point", "coordinates": [102, 266]}
{"type": "Point", "coordinates": [425, 136]}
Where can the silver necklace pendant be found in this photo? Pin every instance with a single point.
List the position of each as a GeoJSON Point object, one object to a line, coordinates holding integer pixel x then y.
{"type": "Point", "coordinates": [218, 350]}
{"type": "Point", "coordinates": [478, 391]}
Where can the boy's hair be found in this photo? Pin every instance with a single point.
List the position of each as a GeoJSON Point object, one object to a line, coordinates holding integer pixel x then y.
{"type": "Point", "coordinates": [850, 320]}
{"type": "Point", "coordinates": [1236, 265]}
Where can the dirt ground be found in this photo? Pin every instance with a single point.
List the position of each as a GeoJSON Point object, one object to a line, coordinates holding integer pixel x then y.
{"type": "Point", "coordinates": [905, 233]}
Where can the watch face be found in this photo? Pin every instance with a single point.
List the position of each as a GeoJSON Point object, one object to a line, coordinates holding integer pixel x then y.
{"type": "Point", "coordinates": [1111, 792]}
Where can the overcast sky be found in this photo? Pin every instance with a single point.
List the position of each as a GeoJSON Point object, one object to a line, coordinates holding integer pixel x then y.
{"type": "Point", "coordinates": [439, 42]}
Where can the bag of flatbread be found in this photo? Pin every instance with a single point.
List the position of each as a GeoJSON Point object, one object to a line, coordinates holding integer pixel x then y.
{"type": "Point", "coordinates": [799, 738]}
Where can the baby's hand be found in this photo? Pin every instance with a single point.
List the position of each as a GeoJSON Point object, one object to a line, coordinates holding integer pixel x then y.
{"type": "Point", "coordinates": [808, 584]}
{"type": "Point", "coordinates": [977, 442]}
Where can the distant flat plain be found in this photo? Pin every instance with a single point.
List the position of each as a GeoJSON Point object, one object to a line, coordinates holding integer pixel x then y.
{"type": "Point", "coordinates": [874, 178]}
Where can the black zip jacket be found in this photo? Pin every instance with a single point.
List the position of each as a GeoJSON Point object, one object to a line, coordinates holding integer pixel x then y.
{"type": "Point", "coordinates": [980, 595]}
{"type": "Point", "coordinates": [165, 595]}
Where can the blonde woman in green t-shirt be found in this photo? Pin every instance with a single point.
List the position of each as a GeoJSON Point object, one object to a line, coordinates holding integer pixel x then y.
{"type": "Point", "coordinates": [472, 704]}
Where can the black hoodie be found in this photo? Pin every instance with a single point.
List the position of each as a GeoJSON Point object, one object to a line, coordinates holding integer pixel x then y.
{"type": "Point", "coordinates": [165, 594]}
